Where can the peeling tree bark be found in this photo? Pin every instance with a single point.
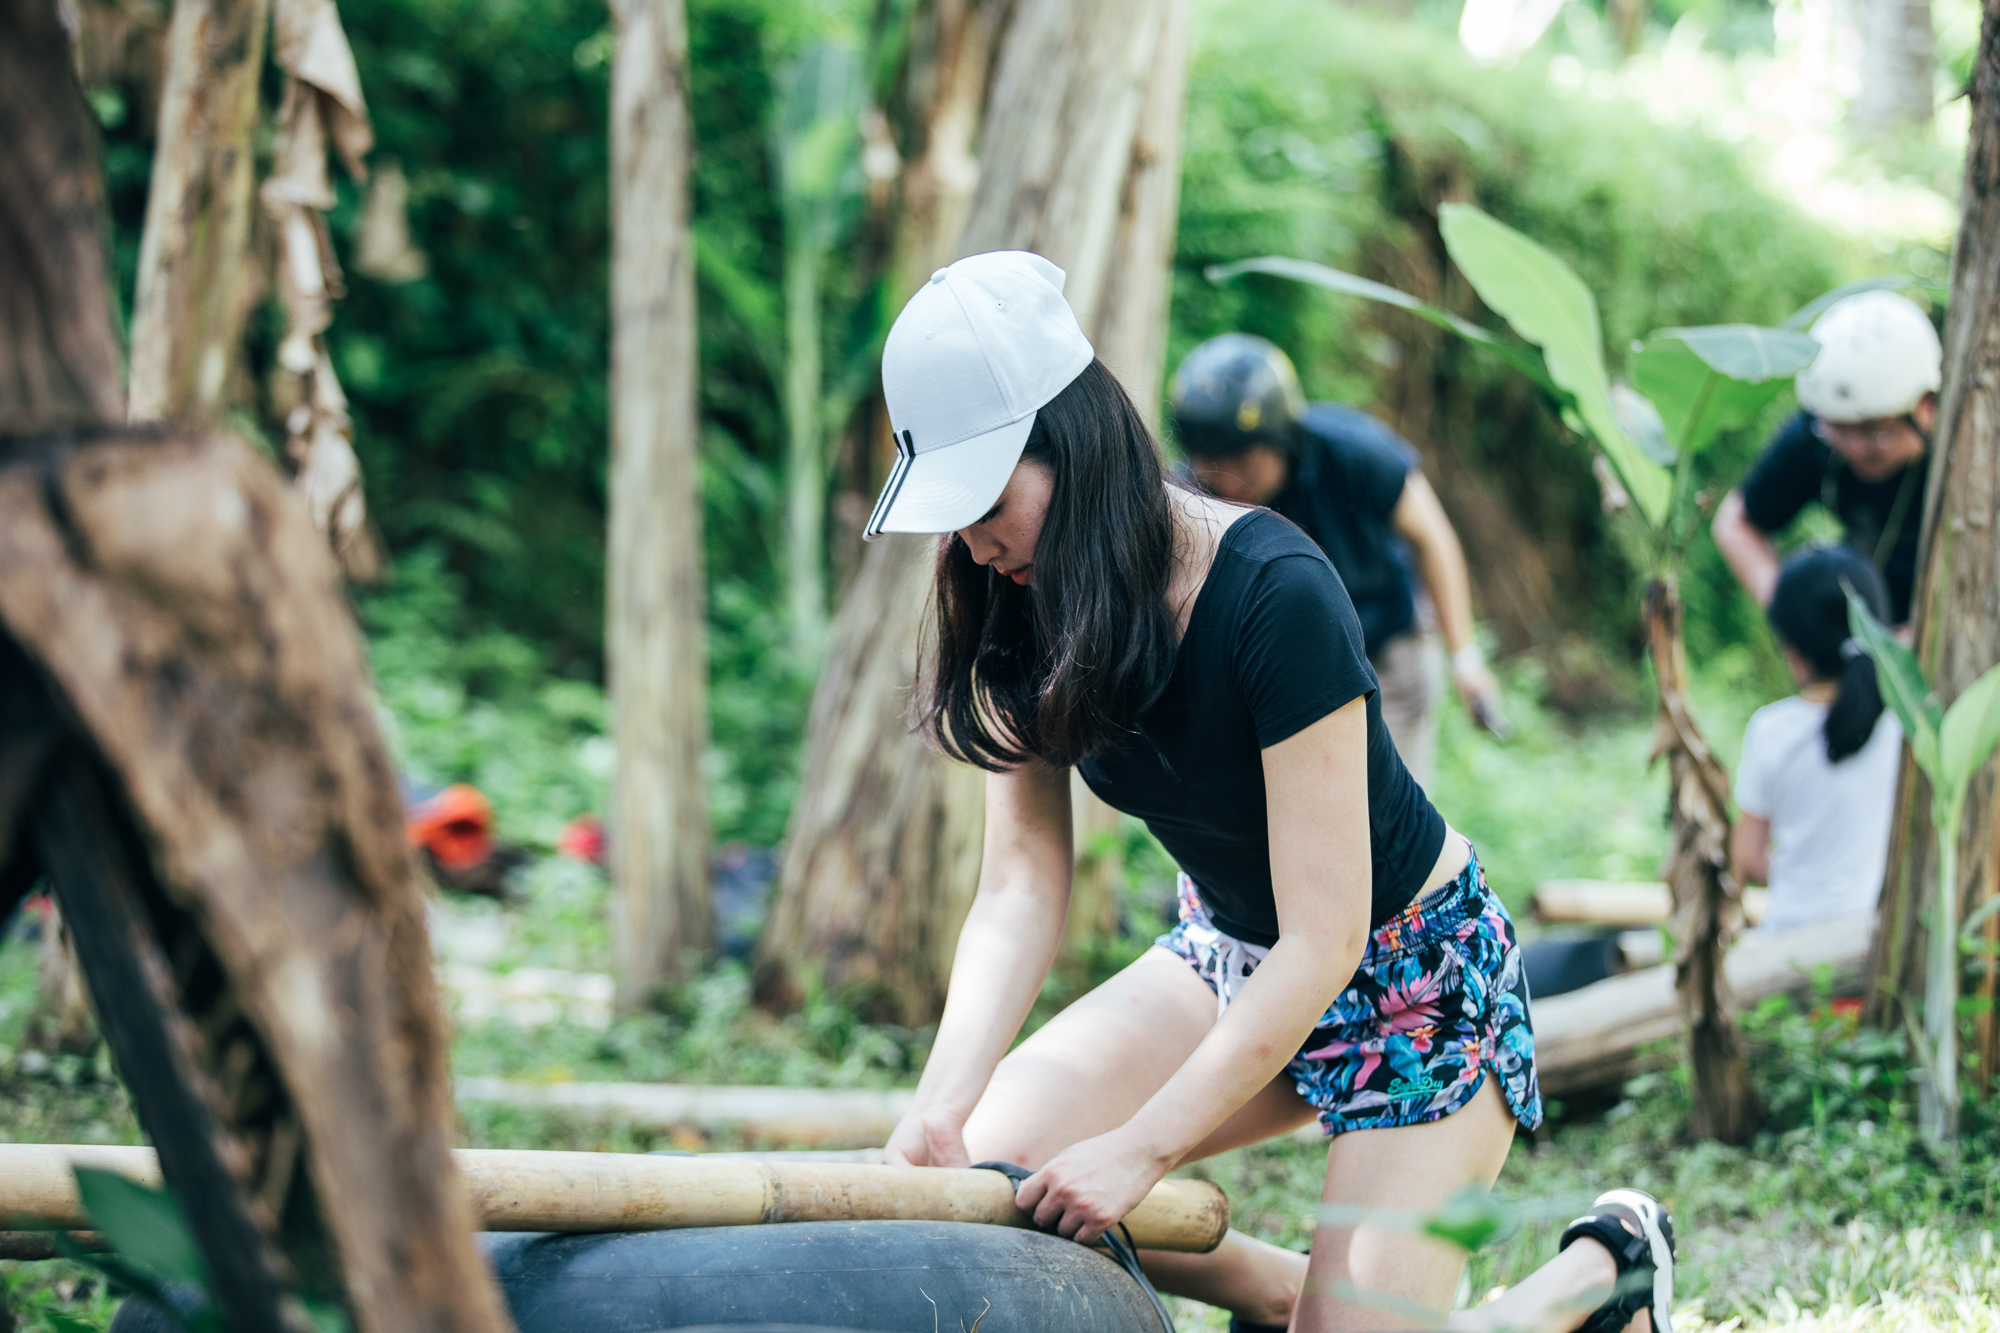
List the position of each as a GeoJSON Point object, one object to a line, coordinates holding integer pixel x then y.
{"type": "Point", "coordinates": [1708, 910]}
{"type": "Point", "coordinates": [1956, 608]}
{"type": "Point", "coordinates": [883, 852]}
{"type": "Point", "coordinates": [656, 655]}
{"type": "Point", "coordinates": [1130, 335]}
{"type": "Point", "coordinates": [322, 102]}
{"type": "Point", "coordinates": [187, 316]}
{"type": "Point", "coordinates": [187, 747]}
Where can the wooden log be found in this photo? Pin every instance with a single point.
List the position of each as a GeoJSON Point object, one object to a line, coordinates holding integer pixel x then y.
{"type": "Point", "coordinates": [31, 1246]}
{"type": "Point", "coordinates": [1593, 1036]}
{"type": "Point", "coordinates": [813, 1116]}
{"type": "Point", "coordinates": [587, 1191]}
{"type": "Point", "coordinates": [1607, 902]}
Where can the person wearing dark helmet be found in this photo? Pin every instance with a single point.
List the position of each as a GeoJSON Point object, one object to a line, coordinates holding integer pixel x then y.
{"type": "Point", "coordinates": [1339, 960]}
{"type": "Point", "coordinates": [1859, 445]}
{"type": "Point", "coordinates": [1354, 486]}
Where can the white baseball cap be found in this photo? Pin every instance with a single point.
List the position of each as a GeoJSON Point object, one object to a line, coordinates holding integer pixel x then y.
{"type": "Point", "coordinates": [981, 348]}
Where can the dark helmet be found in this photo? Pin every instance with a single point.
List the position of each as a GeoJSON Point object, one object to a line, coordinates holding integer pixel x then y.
{"type": "Point", "coordinates": [1233, 393]}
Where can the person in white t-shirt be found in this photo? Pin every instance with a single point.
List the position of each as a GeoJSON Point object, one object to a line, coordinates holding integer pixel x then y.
{"type": "Point", "coordinates": [1818, 775]}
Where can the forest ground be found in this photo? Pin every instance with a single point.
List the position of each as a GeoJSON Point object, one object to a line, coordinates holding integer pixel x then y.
{"type": "Point", "coordinates": [1833, 1219]}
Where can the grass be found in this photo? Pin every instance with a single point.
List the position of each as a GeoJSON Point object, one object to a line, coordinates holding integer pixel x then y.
{"type": "Point", "coordinates": [1835, 1219]}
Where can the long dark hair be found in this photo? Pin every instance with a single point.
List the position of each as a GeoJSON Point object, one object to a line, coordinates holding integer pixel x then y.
{"type": "Point", "coordinates": [1809, 612]}
{"type": "Point", "coordinates": [1061, 670]}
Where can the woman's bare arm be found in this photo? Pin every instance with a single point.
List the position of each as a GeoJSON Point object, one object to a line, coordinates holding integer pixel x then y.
{"type": "Point", "coordinates": [1317, 795]}
{"type": "Point", "coordinates": [1750, 851]}
{"type": "Point", "coordinates": [1004, 953]}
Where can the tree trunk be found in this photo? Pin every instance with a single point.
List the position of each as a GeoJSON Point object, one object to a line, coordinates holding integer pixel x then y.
{"type": "Point", "coordinates": [59, 370]}
{"type": "Point", "coordinates": [188, 750]}
{"type": "Point", "coordinates": [657, 661]}
{"type": "Point", "coordinates": [187, 315]}
{"type": "Point", "coordinates": [1898, 62]}
{"type": "Point", "coordinates": [1707, 910]}
{"type": "Point", "coordinates": [805, 446]}
{"type": "Point", "coordinates": [1131, 338]}
{"type": "Point", "coordinates": [883, 852]}
{"type": "Point", "coordinates": [1956, 609]}
{"type": "Point", "coordinates": [322, 103]}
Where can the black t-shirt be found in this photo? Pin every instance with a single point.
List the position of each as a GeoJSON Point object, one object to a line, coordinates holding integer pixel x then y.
{"type": "Point", "coordinates": [1346, 479]}
{"type": "Point", "coordinates": [1272, 646]}
{"type": "Point", "coordinates": [1882, 518]}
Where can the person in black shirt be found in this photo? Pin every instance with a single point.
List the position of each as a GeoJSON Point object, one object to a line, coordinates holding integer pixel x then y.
{"type": "Point", "coordinates": [1859, 445]}
{"type": "Point", "coordinates": [1339, 956]}
{"type": "Point", "coordinates": [1354, 486]}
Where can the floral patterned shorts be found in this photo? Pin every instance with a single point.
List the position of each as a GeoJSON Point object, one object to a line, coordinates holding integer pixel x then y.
{"type": "Point", "coordinates": [1438, 1002]}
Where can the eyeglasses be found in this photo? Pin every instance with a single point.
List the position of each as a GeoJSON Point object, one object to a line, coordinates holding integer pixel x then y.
{"type": "Point", "coordinates": [1883, 435]}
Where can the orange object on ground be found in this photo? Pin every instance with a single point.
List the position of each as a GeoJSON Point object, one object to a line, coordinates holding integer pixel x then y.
{"type": "Point", "coordinates": [456, 825]}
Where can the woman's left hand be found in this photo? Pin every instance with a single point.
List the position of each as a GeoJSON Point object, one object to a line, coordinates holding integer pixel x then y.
{"type": "Point", "coordinates": [1085, 1189]}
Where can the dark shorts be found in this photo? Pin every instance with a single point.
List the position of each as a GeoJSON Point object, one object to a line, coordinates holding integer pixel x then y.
{"type": "Point", "coordinates": [1438, 1003]}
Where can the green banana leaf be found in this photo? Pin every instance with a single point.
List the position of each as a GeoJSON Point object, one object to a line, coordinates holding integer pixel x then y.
{"type": "Point", "coordinates": [1970, 730]}
{"type": "Point", "coordinates": [1903, 685]}
{"type": "Point", "coordinates": [1547, 304]}
{"type": "Point", "coordinates": [1524, 359]}
{"type": "Point", "coordinates": [1696, 400]}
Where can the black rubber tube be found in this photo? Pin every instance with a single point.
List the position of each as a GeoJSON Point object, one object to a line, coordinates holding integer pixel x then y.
{"type": "Point", "coordinates": [869, 1277]}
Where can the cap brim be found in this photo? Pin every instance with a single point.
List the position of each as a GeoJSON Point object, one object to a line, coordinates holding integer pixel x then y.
{"type": "Point", "coordinates": [946, 489]}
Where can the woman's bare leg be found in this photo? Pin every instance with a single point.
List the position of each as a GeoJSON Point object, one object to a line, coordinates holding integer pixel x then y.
{"type": "Point", "coordinates": [1251, 1278]}
{"type": "Point", "coordinates": [1555, 1298]}
{"type": "Point", "coordinates": [1088, 1069]}
{"type": "Point", "coordinates": [1417, 1167]}
{"type": "Point", "coordinates": [1091, 1067]}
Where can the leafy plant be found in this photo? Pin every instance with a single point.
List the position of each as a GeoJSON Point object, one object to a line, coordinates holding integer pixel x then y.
{"type": "Point", "coordinates": [153, 1253]}
{"type": "Point", "coordinates": [1694, 383]}
{"type": "Point", "coordinates": [1950, 745]}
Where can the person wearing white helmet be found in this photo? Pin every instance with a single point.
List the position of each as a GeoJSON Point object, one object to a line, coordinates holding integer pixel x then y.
{"type": "Point", "coordinates": [1859, 445]}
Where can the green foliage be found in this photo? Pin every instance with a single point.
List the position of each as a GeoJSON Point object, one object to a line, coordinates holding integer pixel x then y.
{"type": "Point", "coordinates": [56, 1296]}
{"type": "Point", "coordinates": [1331, 135]}
{"type": "Point", "coordinates": [1546, 303]}
{"type": "Point", "coordinates": [1904, 688]}
{"type": "Point", "coordinates": [479, 390]}
{"type": "Point", "coordinates": [153, 1250]}
{"type": "Point", "coordinates": [466, 700]}
{"type": "Point", "coordinates": [1951, 744]}
{"type": "Point", "coordinates": [708, 1032]}
{"type": "Point", "coordinates": [145, 1227]}
{"type": "Point", "coordinates": [1707, 381]}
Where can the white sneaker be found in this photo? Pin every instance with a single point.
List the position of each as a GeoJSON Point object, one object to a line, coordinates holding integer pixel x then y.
{"type": "Point", "coordinates": [1638, 1232]}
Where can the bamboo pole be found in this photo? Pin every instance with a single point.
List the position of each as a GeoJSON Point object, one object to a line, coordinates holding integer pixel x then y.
{"type": "Point", "coordinates": [588, 1191]}
{"type": "Point", "coordinates": [1605, 902]}
{"type": "Point", "coordinates": [1593, 1036]}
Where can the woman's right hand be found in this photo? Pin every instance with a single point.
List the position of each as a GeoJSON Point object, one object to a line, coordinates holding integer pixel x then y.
{"type": "Point", "coordinates": [927, 1138]}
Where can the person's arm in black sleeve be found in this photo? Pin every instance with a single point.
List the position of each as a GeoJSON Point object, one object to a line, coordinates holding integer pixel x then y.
{"type": "Point", "coordinates": [1784, 480]}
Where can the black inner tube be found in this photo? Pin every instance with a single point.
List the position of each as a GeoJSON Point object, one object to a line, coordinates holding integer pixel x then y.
{"type": "Point", "coordinates": [1117, 1240]}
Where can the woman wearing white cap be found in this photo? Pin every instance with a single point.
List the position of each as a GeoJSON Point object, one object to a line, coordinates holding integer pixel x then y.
{"type": "Point", "coordinates": [1339, 955]}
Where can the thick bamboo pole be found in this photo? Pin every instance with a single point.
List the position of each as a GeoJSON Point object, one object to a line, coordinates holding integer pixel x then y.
{"type": "Point", "coordinates": [587, 1191]}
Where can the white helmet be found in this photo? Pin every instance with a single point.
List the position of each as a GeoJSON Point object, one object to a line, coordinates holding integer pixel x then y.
{"type": "Point", "coordinates": [1878, 357]}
